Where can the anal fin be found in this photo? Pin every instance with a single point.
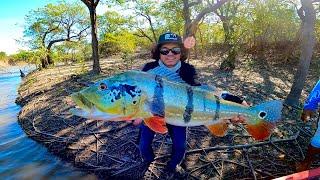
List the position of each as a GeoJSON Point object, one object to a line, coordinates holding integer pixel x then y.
{"type": "Point", "coordinates": [157, 124]}
{"type": "Point", "coordinates": [218, 129]}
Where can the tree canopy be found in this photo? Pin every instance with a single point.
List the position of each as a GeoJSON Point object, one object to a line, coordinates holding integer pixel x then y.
{"type": "Point", "coordinates": [263, 30]}
{"type": "Point", "coordinates": [53, 24]}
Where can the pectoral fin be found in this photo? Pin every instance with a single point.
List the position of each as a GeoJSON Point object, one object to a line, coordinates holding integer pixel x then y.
{"type": "Point", "coordinates": [260, 130]}
{"type": "Point", "coordinates": [218, 129]}
{"type": "Point", "coordinates": [157, 124]}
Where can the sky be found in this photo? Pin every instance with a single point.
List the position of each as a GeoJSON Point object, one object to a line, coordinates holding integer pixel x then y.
{"type": "Point", "coordinates": [12, 14]}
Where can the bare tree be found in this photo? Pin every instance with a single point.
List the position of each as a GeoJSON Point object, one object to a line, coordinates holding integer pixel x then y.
{"type": "Point", "coordinates": [92, 5]}
{"type": "Point", "coordinates": [191, 26]}
{"type": "Point", "coordinates": [307, 15]}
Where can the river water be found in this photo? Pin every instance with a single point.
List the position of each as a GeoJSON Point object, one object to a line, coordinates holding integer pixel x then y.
{"type": "Point", "coordinates": [20, 156]}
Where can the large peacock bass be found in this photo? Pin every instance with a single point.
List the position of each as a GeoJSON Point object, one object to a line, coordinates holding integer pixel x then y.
{"type": "Point", "coordinates": [135, 94]}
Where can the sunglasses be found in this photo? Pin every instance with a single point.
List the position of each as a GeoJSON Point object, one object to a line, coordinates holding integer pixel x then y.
{"type": "Point", "coordinates": [175, 51]}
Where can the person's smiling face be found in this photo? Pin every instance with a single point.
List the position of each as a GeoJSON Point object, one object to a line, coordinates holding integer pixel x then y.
{"type": "Point", "coordinates": [170, 54]}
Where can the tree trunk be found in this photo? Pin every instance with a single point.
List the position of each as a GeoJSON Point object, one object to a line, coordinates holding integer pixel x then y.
{"type": "Point", "coordinates": [44, 62]}
{"type": "Point", "coordinates": [95, 52]}
{"type": "Point", "coordinates": [307, 45]}
{"type": "Point", "coordinates": [49, 59]}
{"type": "Point", "coordinates": [191, 26]}
{"type": "Point", "coordinates": [202, 45]}
{"type": "Point", "coordinates": [228, 64]}
{"type": "Point", "coordinates": [186, 17]}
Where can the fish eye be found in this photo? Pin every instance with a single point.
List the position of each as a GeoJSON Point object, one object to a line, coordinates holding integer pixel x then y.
{"type": "Point", "coordinates": [103, 86]}
{"type": "Point", "coordinates": [262, 114]}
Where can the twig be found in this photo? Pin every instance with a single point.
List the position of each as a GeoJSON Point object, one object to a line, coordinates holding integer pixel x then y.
{"type": "Point", "coordinates": [250, 164]}
{"type": "Point", "coordinates": [205, 165]}
{"type": "Point", "coordinates": [233, 147]}
{"type": "Point", "coordinates": [302, 130]}
{"type": "Point", "coordinates": [211, 161]}
{"type": "Point", "coordinates": [279, 149]}
{"type": "Point", "coordinates": [97, 145]}
{"type": "Point", "coordinates": [300, 149]}
{"type": "Point", "coordinates": [50, 135]}
{"type": "Point", "coordinates": [257, 170]}
{"type": "Point", "coordinates": [114, 158]}
{"type": "Point", "coordinates": [221, 171]}
{"type": "Point", "coordinates": [126, 169]}
{"type": "Point", "coordinates": [94, 167]}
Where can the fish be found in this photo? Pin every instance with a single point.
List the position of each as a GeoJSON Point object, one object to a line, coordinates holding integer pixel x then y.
{"type": "Point", "coordinates": [158, 101]}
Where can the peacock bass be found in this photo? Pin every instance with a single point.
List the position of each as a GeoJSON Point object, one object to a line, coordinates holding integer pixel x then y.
{"type": "Point", "coordinates": [135, 94]}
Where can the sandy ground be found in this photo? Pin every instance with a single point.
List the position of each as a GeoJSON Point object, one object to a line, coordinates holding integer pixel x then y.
{"type": "Point", "coordinates": [109, 149]}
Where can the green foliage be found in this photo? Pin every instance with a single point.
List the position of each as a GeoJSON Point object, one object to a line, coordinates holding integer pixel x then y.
{"type": "Point", "coordinates": [71, 52]}
{"type": "Point", "coordinates": [255, 24]}
{"type": "Point", "coordinates": [54, 24]}
{"type": "Point", "coordinates": [271, 21]}
{"type": "Point", "coordinates": [122, 42]}
{"type": "Point", "coordinates": [112, 22]}
{"type": "Point", "coordinates": [3, 56]}
{"type": "Point", "coordinates": [172, 15]}
{"type": "Point", "coordinates": [32, 57]}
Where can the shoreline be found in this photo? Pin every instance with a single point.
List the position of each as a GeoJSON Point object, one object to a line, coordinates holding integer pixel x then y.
{"type": "Point", "coordinates": [109, 149]}
{"type": "Point", "coordinates": [4, 67]}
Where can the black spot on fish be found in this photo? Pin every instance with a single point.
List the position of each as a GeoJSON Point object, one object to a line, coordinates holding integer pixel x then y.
{"type": "Point", "coordinates": [112, 100]}
{"type": "Point", "coordinates": [157, 104]}
{"type": "Point", "coordinates": [134, 102]}
{"type": "Point", "coordinates": [131, 90]}
{"type": "Point", "coordinates": [117, 95]}
{"type": "Point", "coordinates": [189, 107]}
{"type": "Point", "coordinates": [217, 113]}
{"type": "Point", "coordinates": [262, 114]}
{"type": "Point", "coordinates": [116, 92]}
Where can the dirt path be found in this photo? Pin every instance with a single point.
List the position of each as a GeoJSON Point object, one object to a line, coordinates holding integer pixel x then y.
{"type": "Point", "coordinates": [109, 149]}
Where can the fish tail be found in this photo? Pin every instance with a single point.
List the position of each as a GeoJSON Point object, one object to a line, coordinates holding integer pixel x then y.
{"type": "Point", "coordinates": [263, 118]}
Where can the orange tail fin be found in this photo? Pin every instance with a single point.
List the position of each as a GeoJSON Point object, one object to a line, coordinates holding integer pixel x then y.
{"type": "Point", "coordinates": [218, 129]}
{"type": "Point", "coordinates": [157, 124]}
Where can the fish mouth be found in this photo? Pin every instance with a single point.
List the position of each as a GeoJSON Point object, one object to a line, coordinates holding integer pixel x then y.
{"type": "Point", "coordinates": [81, 101]}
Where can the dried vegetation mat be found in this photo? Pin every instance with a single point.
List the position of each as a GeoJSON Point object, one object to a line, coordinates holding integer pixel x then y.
{"type": "Point", "coordinates": [110, 149]}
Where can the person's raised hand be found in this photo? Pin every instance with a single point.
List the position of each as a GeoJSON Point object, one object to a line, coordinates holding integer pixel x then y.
{"type": "Point", "coordinates": [189, 42]}
{"type": "Point", "coordinates": [306, 114]}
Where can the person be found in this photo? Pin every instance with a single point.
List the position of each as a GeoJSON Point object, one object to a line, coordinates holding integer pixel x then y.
{"type": "Point", "coordinates": [170, 55]}
{"type": "Point", "coordinates": [22, 74]}
{"type": "Point", "coordinates": [310, 107]}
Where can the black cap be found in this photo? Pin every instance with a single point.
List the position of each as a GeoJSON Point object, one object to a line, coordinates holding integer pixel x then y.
{"type": "Point", "coordinates": [169, 37]}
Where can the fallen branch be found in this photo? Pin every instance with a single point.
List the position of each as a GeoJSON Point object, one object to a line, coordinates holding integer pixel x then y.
{"type": "Point", "coordinates": [250, 164]}
{"type": "Point", "coordinates": [235, 147]}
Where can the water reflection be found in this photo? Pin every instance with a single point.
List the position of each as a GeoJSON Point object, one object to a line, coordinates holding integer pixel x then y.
{"type": "Point", "coordinates": [21, 157]}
